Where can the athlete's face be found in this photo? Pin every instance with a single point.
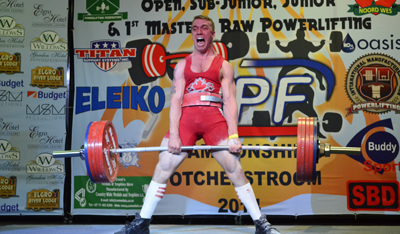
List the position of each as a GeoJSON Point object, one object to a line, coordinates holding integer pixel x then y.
{"type": "Point", "coordinates": [202, 35]}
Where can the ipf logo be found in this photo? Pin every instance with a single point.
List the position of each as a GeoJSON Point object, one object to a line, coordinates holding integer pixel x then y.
{"type": "Point", "coordinates": [102, 10]}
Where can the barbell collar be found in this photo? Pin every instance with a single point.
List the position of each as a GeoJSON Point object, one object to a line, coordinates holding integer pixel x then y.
{"type": "Point", "coordinates": [345, 150]}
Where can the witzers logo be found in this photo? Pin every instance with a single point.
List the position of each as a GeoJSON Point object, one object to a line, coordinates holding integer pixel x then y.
{"type": "Point", "coordinates": [45, 164]}
{"type": "Point", "coordinates": [375, 7]}
{"type": "Point", "coordinates": [105, 54]}
{"type": "Point", "coordinates": [372, 84]}
{"type": "Point", "coordinates": [49, 41]}
{"type": "Point", "coordinates": [10, 28]}
{"type": "Point", "coordinates": [102, 10]}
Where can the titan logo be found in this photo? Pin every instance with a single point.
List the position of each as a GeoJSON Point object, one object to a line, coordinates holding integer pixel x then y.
{"type": "Point", "coordinates": [105, 54]}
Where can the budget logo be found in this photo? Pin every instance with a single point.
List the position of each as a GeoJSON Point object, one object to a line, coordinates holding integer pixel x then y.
{"type": "Point", "coordinates": [10, 28]}
{"type": "Point", "coordinates": [372, 84]}
{"type": "Point", "coordinates": [49, 41]}
{"type": "Point", "coordinates": [102, 10]}
{"type": "Point", "coordinates": [375, 7]}
{"type": "Point", "coordinates": [105, 54]}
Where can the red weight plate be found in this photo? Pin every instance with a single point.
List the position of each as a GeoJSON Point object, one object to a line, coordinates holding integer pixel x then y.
{"type": "Point", "coordinates": [300, 149]}
{"type": "Point", "coordinates": [315, 150]}
{"type": "Point", "coordinates": [101, 168]}
{"type": "Point", "coordinates": [309, 151]}
{"type": "Point", "coordinates": [91, 152]}
{"type": "Point", "coordinates": [154, 60]}
{"type": "Point", "coordinates": [110, 160]}
{"type": "Point", "coordinates": [106, 163]}
{"type": "Point", "coordinates": [220, 48]}
{"type": "Point", "coordinates": [96, 163]}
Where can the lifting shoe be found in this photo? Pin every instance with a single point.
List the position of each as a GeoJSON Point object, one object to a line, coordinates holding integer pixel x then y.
{"type": "Point", "coordinates": [264, 227]}
{"type": "Point", "coordinates": [137, 226]}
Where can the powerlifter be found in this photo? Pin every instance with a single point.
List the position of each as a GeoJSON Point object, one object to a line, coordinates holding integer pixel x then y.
{"type": "Point", "coordinates": [196, 112]}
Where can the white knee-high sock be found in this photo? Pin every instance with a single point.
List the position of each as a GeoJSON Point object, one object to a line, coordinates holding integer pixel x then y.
{"type": "Point", "coordinates": [154, 194]}
{"type": "Point", "coordinates": [247, 197]}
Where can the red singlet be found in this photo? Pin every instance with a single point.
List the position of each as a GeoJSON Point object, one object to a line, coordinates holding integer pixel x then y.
{"type": "Point", "coordinates": [205, 122]}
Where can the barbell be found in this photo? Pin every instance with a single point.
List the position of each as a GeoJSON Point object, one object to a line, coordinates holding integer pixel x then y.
{"type": "Point", "coordinates": [101, 151]}
{"type": "Point", "coordinates": [264, 42]}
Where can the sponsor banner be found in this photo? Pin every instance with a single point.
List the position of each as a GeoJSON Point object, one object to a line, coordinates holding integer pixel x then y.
{"type": "Point", "coordinates": [33, 61]}
{"type": "Point", "coordinates": [124, 193]}
{"type": "Point", "coordinates": [333, 60]}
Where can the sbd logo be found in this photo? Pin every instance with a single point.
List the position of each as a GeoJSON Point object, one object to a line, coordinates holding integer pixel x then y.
{"type": "Point", "coordinates": [373, 195]}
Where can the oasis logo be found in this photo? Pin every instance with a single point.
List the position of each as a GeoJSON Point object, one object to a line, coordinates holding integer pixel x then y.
{"type": "Point", "coordinates": [102, 10]}
{"type": "Point", "coordinates": [372, 84]}
{"type": "Point", "coordinates": [45, 164]}
{"type": "Point", "coordinates": [7, 152]}
{"type": "Point", "coordinates": [373, 195]}
{"type": "Point", "coordinates": [49, 41]}
{"type": "Point", "coordinates": [374, 7]}
{"type": "Point", "coordinates": [10, 28]}
{"type": "Point", "coordinates": [105, 54]}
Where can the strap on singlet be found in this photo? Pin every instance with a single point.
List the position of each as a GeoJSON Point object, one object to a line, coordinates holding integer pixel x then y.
{"type": "Point", "coordinates": [202, 99]}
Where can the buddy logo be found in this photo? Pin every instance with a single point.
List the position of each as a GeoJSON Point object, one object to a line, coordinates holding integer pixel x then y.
{"type": "Point", "coordinates": [102, 10]}
{"type": "Point", "coordinates": [375, 7]}
{"type": "Point", "coordinates": [49, 41]}
{"type": "Point", "coordinates": [105, 54]}
{"type": "Point", "coordinates": [372, 84]}
{"type": "Point", "coordinates": [10, 28]}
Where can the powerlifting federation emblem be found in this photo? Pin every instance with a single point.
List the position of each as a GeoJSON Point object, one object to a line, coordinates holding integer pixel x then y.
{"type": "Point", "coordinates": [372, 84]}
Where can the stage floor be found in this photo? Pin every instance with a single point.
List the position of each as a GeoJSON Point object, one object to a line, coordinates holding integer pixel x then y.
{"type": "Point", "coordinates": [194, 229]}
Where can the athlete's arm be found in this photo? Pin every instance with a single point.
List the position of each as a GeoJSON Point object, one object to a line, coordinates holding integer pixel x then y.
{"type": "Point", "coordinates": [230, 106]}
{"type": "Point", "coordinates": [175, 110]}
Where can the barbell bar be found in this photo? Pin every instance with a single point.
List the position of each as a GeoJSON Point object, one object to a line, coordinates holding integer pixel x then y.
{"type": "Point", "coordinates": [101, 151]}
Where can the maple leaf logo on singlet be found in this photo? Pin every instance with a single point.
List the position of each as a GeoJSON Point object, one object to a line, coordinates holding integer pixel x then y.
{"type": "Point", "coordinates": [200, 85]}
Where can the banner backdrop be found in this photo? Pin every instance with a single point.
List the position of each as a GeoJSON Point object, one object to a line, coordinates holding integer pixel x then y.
{"type": "Point", "coordinates": [334, 60]}
{"type": "Point", "coordinates": [33, 62]}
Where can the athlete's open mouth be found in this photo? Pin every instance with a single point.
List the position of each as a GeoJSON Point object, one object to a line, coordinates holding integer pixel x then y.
{"type": "Point", "coordinates": [200, 41]}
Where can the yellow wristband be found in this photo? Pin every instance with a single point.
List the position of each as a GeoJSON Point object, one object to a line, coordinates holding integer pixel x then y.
{"type": "Point", "coordinates": [233, 136]}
